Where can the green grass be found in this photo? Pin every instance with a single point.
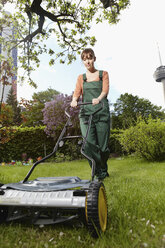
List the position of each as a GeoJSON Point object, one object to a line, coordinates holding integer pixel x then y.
{"type": "Point", "coordinates": [136, 199]}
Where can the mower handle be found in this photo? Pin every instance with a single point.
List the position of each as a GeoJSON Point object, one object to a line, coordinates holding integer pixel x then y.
{"type": "Point", "coordinates": [60, 138]}
{"type": "Point", "coordinates": [84, 103]}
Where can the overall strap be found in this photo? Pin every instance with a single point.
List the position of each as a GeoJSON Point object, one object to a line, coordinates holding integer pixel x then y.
{"type": "Point", "coordinates": [101, 75]}
{"type": "Point", "coordinates": [84, 77]}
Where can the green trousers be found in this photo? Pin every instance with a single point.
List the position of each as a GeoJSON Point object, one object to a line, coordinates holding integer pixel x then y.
{"type": "Point", "coordinates": [97, 144]}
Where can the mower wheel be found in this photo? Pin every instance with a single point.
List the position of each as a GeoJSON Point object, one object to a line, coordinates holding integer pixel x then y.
{"type": "Point", "coordinates": [96, 208]}
{"type": "Point", "coordinates": [3, 214]}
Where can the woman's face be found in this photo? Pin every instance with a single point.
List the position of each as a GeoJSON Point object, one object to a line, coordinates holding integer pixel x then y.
{"type": "Point", "coordinates": [88, 61]}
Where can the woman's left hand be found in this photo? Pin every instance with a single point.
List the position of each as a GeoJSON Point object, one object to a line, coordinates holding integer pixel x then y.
{"type": "Point", "coordinates": [95, 101]}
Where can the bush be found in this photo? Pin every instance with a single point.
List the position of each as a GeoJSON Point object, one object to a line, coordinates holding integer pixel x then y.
{"type": "Point", "coordinates": [147, 140]}
{"type": "Point", "coordinates": [31, 141]}
{"type": "Point", "coordinates": [54, 116]}
{"type": "Point", "coordinates": [114, 144]}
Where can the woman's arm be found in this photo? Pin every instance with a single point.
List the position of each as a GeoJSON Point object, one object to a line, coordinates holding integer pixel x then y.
{"type": "Point", "coordinates": [105, 89]}
{"type": "Point", "coordinates": [78, 91]}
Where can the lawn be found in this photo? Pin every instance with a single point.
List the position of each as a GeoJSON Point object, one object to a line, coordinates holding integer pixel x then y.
{"type": "Point", "coordinates": [136, 199]}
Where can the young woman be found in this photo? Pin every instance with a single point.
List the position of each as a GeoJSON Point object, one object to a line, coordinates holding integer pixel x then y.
{"type": "Point", "coordinates": [93, 86]}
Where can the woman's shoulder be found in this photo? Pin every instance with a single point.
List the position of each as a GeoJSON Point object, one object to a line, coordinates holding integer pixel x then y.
{"type": "Point", "coordinates": [104, 73]}
{"type": "Point", "coordinates": [80, 78]}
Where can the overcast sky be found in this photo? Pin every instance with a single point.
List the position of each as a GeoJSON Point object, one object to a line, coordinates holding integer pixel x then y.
{"type": "Point", "coordinates": [128, 51]}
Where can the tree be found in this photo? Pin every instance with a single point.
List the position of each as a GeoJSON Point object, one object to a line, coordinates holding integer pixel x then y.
{"type": "Point", "coordinates": [5, 75]}
{"type": "Point", "coordinates": [128, 108]}
{"type": "Point", "coordinates": [32, 113]}
{"type": "Point", "coordinates": [45, 96]}
{"type": "Point", "coordinates": [70, 21]}
{"type": "Point", "coordinates": [54, 115]}
{"type": "Point", "coordinates": [6, 117]}
{"type": "Point", "coordinates": [6, 121]}
{"type": "Point", "coordinates": [11, 101]}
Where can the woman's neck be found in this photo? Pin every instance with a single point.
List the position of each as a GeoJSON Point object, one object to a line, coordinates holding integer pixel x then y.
{"type": "Point", "coordinates": [93, 70]}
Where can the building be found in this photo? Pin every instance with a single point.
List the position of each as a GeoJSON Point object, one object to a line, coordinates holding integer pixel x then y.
{"type": "Point", "coordinates": [6, 33]}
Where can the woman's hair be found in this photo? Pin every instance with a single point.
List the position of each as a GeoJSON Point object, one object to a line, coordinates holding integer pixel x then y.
{"type": "Point", "coordinates": [87, 51]}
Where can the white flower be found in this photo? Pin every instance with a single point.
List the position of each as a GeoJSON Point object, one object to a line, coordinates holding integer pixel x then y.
{"type": "Point", "coordinates": [61, 234]}
{"type": "Point", "coordinates": [145, 245]}
{"type": "Point", "coordinates": [148, 221]}
{"type": "Point", "coordinates": [41, 226]}
{"type": "Point", "coordinates": [50, 240]}
{"type": "Point", "coordinates": [152, 226]}
{"type": "Point", "coordinates": [79, 238]}
{"type": "Point", "coordinates": [163, 239]}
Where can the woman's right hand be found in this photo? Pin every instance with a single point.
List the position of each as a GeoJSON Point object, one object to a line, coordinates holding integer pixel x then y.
{"type": "Point", "coordinates": [73, 103]}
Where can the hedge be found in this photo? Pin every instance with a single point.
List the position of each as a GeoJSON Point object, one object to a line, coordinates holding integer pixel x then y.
{"type": "Point", "coordinates": [32, 142]}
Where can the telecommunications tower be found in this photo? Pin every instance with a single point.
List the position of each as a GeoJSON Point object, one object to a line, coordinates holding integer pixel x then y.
{"type": "Point", "coordinates": [159, 74]}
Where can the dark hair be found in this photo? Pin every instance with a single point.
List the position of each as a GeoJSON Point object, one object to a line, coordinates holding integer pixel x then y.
{"type": "Point", "coordinates": [87, 51]}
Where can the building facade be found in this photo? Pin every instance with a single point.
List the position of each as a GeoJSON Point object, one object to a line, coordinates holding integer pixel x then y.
{"type": "Point", "coordinates": [7, 33]}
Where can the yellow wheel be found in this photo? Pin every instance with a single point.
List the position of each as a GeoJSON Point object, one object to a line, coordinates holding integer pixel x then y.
{"type": "Point", "coordinates": [102, 208]}
{"type": "Point", "coordinates": [96, 209]}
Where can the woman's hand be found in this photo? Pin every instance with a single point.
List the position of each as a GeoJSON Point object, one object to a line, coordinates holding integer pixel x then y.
{"type": "Point", "coordinates": [95, 101]}
{"type": "Point", "coordinates": [73, 103]}
{"type": "Point", "coordinates": [99, 98]}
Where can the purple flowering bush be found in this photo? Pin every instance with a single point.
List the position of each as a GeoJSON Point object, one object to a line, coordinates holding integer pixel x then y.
{"type": "Point", "coordinates": [54, 115]}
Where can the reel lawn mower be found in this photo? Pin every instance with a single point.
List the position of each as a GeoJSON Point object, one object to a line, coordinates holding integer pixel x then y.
{"type": "Point", "coordinates": [51, 200]}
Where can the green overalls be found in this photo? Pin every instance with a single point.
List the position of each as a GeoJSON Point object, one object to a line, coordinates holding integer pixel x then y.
{"type": "Point", "coordinates": [97, 141]}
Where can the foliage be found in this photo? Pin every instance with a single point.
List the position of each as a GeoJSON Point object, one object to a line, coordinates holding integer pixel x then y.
{"type": "Point", "coordinates": [6, 121]}
{"type": "Point", "coordinates": [32, 112]}
{"type": "Point", "coordinates": [6, 111]}
{"type": "Point", "coordinates": [33, 142]}
{"type": "Point", "coordinates": [67, 21]}
{"type": "Point", "coordinates": [6, 117]}
{"type": "Point", "coordinates": [5, 76]}
{"type": "Point", "coordinates": [114, 144]}
{"type": "Point", "coordinates": [11, 101]}
{"type": "Point", "coordinates": [128, 108]}
{"type": "Point", "coordinates": [146, 139]}
{"type": "Point", "coordinates": [30, 140]}
{"type": "Point", "coordinates": [54, 114]}
{"type": "Point", "coordinates": [45, 96]}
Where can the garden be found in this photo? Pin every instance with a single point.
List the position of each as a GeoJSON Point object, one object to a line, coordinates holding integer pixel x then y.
{"type": "Point", "coordinates": [135, 188]}
{"type": "Point", "coordinates": [29, 130]}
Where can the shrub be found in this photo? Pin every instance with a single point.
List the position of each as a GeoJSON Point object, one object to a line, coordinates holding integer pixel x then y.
{"type": "Point", "coordinates": [114, 144]}
{"type": "Point", "coordinates": [147, 140]}
{"type": "Point", "coordinates": [54, 114]}
{"type": "Point", "coordinates": [30, 140]}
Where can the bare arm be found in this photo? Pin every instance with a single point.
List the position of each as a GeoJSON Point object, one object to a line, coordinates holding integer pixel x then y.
{"type": "Point", "coordinates": [98, 99]}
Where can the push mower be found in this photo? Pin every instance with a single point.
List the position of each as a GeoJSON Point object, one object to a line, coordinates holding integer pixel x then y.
{"type": "Point", "coordinates": [51, 200]}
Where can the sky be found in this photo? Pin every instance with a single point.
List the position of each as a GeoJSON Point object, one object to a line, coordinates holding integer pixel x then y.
{"type": "Point", "coordinates": [127, 50]}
